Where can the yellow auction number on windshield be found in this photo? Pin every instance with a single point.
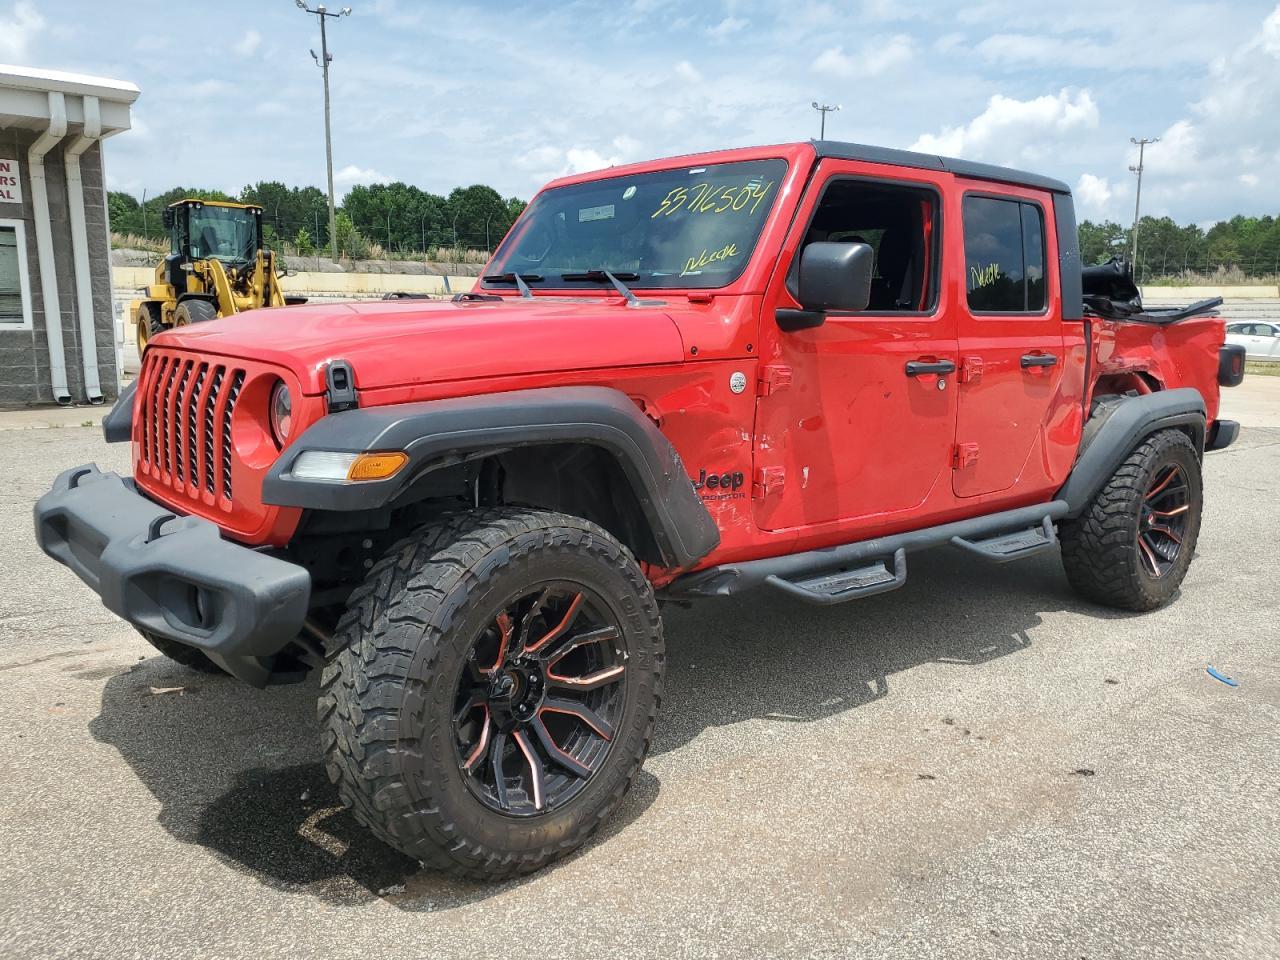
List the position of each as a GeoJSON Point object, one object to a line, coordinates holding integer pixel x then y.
{"type": "Point", "coordinates": [704, 198]}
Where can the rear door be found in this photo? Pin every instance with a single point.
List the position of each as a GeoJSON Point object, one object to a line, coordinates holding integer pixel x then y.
{"type": "Point", "coordinates": [1010, 339]}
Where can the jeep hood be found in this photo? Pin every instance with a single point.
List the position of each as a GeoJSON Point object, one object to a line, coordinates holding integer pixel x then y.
{"type": "Point", "coordinates": [397, 343]}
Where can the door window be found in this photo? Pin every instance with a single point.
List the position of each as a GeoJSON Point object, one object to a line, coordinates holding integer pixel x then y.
{"type": "Point", "coordinates": [899, 223]}
{"type": "Point", "coordinates": [1004, 254]}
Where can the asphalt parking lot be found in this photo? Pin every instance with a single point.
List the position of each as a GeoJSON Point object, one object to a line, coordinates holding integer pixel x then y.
{"type": "Point", "coordinates": [977, 765]}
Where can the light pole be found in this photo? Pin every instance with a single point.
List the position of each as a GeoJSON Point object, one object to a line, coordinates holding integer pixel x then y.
{"type": "Point", "coordinates": [824, 109]}
{"type": "Point", "coordinates": [323, 62]}
{"type": "Point", "coordinates": [1137, 203]}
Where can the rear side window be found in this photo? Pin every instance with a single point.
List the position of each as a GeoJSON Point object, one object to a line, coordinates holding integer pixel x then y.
{"type": "Point", "coordinates": [1004, 255]}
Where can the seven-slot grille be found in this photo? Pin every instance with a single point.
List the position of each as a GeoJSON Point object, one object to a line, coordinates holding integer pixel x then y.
{"type": "Point", "coordinates": [186, 406]}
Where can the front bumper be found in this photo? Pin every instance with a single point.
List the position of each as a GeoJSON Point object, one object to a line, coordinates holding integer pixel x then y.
{"type": "Point", "coordinates": [171, 575]}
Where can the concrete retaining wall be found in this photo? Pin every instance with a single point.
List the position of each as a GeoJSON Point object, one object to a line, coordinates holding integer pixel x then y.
{"type": "Point", "coordinates": [1192, 294]}
{"type": "Point", "coordinates": [328, 284]}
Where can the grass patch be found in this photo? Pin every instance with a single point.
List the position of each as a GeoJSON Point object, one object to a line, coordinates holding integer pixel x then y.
{"type": "Point", "coordinates": [1262, 368]}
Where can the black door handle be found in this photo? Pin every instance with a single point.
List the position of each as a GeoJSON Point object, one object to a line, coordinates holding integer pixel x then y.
{"type": "Point", "coordinates": [917, 367]}
{"type": "Point", "coordinates": [1038, 360]}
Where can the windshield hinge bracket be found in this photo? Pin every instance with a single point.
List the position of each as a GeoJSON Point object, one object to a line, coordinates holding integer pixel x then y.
{"type": "Point", "coordinates": [340, 386]}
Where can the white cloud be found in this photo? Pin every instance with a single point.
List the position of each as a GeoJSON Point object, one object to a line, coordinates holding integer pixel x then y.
{"type": "Point", "coordinates": [209, 88]}
{"type": "Point", "coordinates": [138, 127]}
{"type": "Point", "coordinates": [18, 30]}
{"type": "Point", "coordinates": [1093, 195]}
{"type": "Point", "coordinates": [687, 72]}
{"type": "Point", "coordinates": [873, 59]}
{"type": "Point", "coordinates": [726, 28]}
{"type": "Point", "coordinates": [1011, 131]}
{"type": "Point", "coordinates": [584, 160]}
{"type": "Point", "coordinates": [350, 175]}
{"type": "Point", "coordinates": [1228, 145]}
{"type": "Point", "coordinates": [248, 45]}
{"type": "Point", "coordinates": [547, 162]}
{"type": "Point", "coordinates": [1271, 33]}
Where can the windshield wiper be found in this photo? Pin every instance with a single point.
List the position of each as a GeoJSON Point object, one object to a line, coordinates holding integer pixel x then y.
{"type": "Point", "coordinates": [518, 279]}
{"type": "Point", "coordinates": [598, 276]}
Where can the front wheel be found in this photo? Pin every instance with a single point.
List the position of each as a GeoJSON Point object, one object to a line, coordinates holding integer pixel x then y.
{"type": "Point", "coordinates": [492, 690]}
{"type": "Point", "coordinates": [1134, 542]}
{"type": "Point", "coordinates": [194, 311]}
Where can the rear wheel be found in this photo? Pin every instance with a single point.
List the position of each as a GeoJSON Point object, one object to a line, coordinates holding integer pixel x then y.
{"type": "Point", "coordinates": [1133, 544]}
{"type": "Point", "coordinates": [492, 690]}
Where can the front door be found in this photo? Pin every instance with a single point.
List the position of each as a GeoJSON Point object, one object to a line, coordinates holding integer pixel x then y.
{"type": "Point", "coordinates": [856, 417]}
{"type": "Point", "coordinates": [1011, 342]}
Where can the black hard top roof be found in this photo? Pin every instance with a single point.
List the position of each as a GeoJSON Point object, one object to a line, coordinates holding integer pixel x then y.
{"type": "Point", "coordinates": [928, 161]}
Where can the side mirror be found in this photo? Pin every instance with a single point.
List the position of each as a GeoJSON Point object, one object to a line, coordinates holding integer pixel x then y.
{"type": "Point", "coordinates": [167, 218]}
{"type": "Point", "coordinates": [833, 276]}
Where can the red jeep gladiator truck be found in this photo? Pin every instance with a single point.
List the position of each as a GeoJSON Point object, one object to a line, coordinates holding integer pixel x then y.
{"type": "Point", "coordinates": [783, 367]}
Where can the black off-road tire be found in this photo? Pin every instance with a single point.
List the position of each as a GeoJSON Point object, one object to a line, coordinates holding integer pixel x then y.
{"type": "Point", "coordinates": [1100, 549]}
{"type": "Point", "coordinates": [387, 701]}
{"type": "Point", "coordinates": [194, 311]}
{"type": "Point", "coordinates": [189, 657]}
{"type": "Point", "coordinates": [146, 325]}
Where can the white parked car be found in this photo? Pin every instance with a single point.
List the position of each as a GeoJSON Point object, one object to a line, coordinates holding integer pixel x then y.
{"type": "Point", "coordinates": [1260, 338]}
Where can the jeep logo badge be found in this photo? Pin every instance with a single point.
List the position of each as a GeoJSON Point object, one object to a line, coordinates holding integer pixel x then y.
{"type": "Point", "coordinates": [738, 381]}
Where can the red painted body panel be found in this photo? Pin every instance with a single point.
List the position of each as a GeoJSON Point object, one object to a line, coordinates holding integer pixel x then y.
{"type": "Point", "coordinates": [857, 440]}
{"type": "Point", "coordinates": [1007, 411]}
{"type": "Point", "coordinates": [835, 442]}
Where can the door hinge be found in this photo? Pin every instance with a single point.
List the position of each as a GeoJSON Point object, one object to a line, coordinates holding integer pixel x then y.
{"type": "Point", "coordinates": [965, 455]}
{"type": "Point", "coordinates": [970, 369]}
{"type": "Point", "coordinates": [768, 480]}
{"type": "Point", "coordinates": [772, 377]}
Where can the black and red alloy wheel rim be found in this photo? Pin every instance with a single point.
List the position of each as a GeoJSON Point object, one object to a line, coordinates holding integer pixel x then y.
{"type": "Point", "coordinates": [1162, 520]}
{"type": "Point", "coordinates": [539, 699]}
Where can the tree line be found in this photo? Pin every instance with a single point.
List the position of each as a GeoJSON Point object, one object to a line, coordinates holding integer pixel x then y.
{"type": "Point", "coordinates": [378, 219]}
{"type": "Point", "coordinates": [403, 220]}
{"type": "Point", "coordinates": [1245, 246]}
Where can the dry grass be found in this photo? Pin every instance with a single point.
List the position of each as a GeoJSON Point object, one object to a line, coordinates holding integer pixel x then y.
{"type": "Point", "coordinates": [1221, 277]}
{"type": "Point", "coordinates": [132, 241]}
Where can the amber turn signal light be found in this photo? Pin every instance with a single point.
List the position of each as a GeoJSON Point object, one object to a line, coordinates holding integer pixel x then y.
{"type": "Point", "coordinates": [376, 466]}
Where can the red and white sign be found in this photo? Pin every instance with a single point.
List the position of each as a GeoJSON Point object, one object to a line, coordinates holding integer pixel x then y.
{"type": "Point", "coordinates": [10, 182]}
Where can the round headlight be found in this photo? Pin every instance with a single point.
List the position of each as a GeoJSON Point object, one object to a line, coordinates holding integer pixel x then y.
{"type": "Point", "coordinates": [281, 413]}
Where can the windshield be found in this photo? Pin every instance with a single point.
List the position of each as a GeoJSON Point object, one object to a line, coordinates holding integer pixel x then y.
{"type": "Point", "coordinates": [224, 233]}
{"type": "Point", "coordinates": [687, 227]}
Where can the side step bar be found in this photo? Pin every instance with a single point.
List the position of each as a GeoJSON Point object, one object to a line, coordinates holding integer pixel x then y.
{"type": "Point", "coordinates": [1012, 546]}
{"type": "Point", "coordinates": [862, 568]}
{"type": "Point", "coordinates": [843, 585]}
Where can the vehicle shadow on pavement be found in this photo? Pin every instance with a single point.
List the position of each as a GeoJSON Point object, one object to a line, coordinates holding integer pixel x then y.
{"type": "Point", "coordinates": [238, 771]}
{"type": "Point", "coordinates": [767, 657]}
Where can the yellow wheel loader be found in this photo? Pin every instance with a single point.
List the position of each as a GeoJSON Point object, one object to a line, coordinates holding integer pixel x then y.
{"type": "Point", "coordinates": [217, 266]}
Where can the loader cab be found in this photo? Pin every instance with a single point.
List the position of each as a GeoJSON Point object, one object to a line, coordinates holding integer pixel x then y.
{"type": "Point", "coordinates": [201, 230]}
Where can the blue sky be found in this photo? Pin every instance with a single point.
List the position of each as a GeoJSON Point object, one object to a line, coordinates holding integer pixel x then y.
{"type": "Point", "coordinates": [511, 94]}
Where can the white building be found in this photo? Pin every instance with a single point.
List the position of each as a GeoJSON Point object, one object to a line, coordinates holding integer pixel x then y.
{"type": "Point", "coordinates": [57, 330]}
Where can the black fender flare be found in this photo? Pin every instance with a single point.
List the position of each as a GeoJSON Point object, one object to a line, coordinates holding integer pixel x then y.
{"type": "Point", "coordinates": [117, 425]}
{"type": "Point", "coordinates": [439, 433]}
{"type": "Point", "coordinates": [1117, 428]}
